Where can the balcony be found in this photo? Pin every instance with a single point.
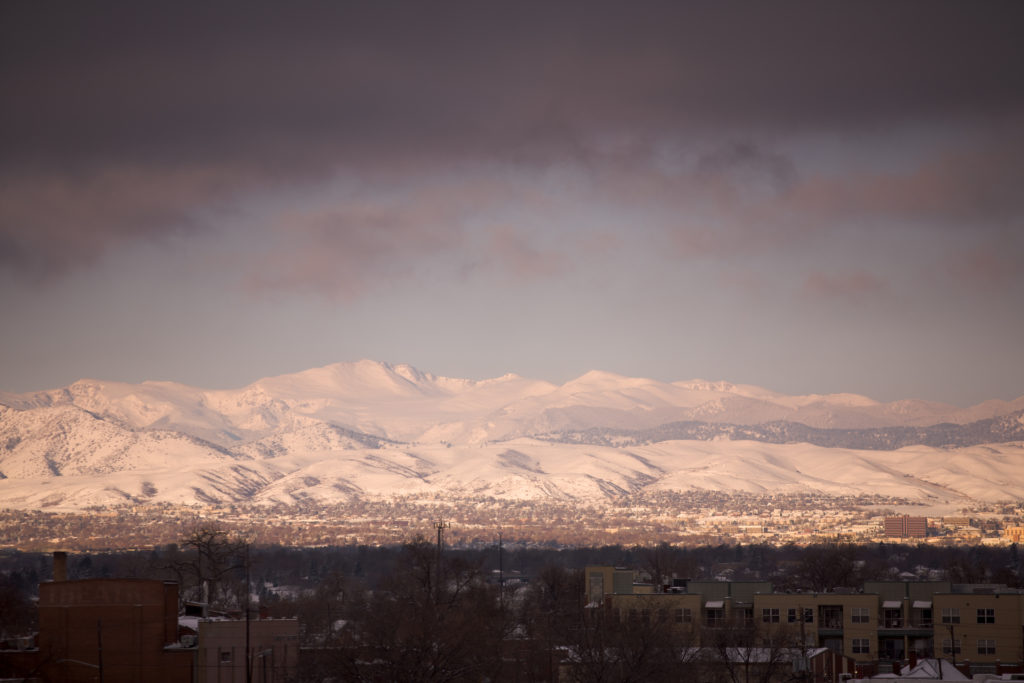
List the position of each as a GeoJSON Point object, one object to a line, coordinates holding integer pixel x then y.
{"type": "Point", "coordinates": [830, 620]}
{"type": "Point", "coordinates": [898, 626]}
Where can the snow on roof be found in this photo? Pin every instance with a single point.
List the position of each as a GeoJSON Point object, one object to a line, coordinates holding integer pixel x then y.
{"type": "Point", "coordinates": [926, 670]}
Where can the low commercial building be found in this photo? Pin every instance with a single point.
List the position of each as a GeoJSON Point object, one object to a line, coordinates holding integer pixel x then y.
{"type": "Point", "coordinates": [272, 646]}
{"type": "Point", "coordinates": [129, 630]}
{"type": "Point", "coordinates": [113, 630]}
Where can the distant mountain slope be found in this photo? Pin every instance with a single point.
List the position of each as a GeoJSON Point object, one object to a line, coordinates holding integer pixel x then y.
{"type": "Point", "coordinates": [367, 428]}
{"type": "Point", "coordinates": [65, 440]}
{"type": "Point", "coordinates": [1002, 429]}
{"type": "Point", "coordinates": [525, 469]}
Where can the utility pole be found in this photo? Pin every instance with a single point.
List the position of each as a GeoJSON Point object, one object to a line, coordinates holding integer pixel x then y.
{"type": "Point", "coordinates": [805, 662]}
{"type": "Point", "coordinates": [440, 525]}
{"type": "Point", "coordinates": [248, 592]}
{"type": "Point", "coordinates": [99, 647]}
{"type": "Point", "coordinates": [952, 649]}
{"type": "Point", "coordinates": [501, 575]}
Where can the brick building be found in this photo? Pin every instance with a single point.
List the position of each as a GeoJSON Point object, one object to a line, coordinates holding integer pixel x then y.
{"type": "Point", "coordinates": [906, 526]}
{"type": "Point", "coordinates": [114, 630]}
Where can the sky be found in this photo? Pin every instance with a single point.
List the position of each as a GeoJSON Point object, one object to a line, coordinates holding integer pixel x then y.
{"type": "Point", "coordinates": [810, 197]}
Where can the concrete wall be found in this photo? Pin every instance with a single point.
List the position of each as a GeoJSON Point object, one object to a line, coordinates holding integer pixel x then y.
{"type": "Point", "coordinates": [273, 647]}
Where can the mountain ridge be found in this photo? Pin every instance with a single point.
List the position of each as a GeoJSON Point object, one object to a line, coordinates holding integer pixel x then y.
{"type": "Point", "coordinates": [370, 428]}
{"type": "Point", "coordinates": [367, 381]}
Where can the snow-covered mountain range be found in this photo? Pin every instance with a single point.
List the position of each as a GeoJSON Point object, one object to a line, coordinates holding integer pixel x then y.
{"type": "Point", "coordinates": [372, 429]}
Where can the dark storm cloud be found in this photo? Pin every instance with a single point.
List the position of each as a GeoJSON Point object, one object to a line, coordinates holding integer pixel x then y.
{"type": "Point", "coordinates": [744, 165]}
{"type": "Point", "coordinates": [969, 186]}
{"type": "Point", "coordinates": [340, 249]}
{"type": "Point", "coordinates": [122, 121]}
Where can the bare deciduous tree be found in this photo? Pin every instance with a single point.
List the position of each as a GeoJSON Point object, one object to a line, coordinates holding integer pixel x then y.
{"type": "Point", "coordinates": [207, 565]}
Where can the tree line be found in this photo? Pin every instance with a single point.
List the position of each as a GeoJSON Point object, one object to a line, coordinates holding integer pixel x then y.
{"type": "Point", "coordinates": [417, 612]}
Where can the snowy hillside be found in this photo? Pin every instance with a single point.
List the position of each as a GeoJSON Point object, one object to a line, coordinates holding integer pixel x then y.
{"type": "Point", "coordinates": [371, 429]}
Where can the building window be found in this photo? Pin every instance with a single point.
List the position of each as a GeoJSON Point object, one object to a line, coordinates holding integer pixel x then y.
{"type": "Point", "coordinates": [225, 656]}
{"type": "Point", "coordinates": [684, 615]}
{"type": "Point", "coordinates": [714, 616]}
{"type": "Point", "coordinates": [860, 615]}
{"type": "Point", "coordinates": [950, 615]}
{"type": "Point", "coordinates": [951, 647]}
{"type": "Point", "coordinates": [792, 615]}
{"type": "Point", "coordinates": [860, 646]}
{"type": "Point", "coordinates": [770, 615]}
{"type": "Point", "coordinates": [645, 616]}
{"type": "Point", "coordinates": [831, 617]}
{"type": "Point", "coordinates": [986, 616]}
{"type": "Point", "coordinates": [987, 647]}
{"type": "Point", "coordinates": [662, 616]}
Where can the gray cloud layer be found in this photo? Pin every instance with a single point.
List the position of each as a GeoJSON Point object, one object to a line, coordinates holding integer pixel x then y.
{"type": "Point", "coordinates": [123, 121]}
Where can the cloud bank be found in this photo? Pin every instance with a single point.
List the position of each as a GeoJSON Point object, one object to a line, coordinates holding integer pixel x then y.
{"type": "Point", "coordinates": [126, 122]}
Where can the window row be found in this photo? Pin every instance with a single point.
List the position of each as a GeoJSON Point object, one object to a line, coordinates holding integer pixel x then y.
{"type": "Point", "coordinates": [773, 615]}
{"type": "Point", "coordinates": [682, 615]}
{"type": "Point", "coordinates": [951, 615]}
{"type": "Point", "coordinates": [986, 646]}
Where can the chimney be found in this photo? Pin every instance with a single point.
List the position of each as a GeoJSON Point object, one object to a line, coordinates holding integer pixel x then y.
{"type": "Point", "coordinates": [60, 565]}
{"type": "Point", "coordinates": [913, 659]}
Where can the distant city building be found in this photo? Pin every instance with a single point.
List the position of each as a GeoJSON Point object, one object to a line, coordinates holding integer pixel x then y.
{"type": "Point", "coordinates": [906, 527]}
{"type": "Point", "coordinates": [956, 522]}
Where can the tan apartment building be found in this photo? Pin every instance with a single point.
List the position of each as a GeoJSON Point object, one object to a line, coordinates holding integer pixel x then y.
{"type": "Point", "coordinates": [682, 612]}
{"type": "Point", "coordinates": [980, 628]}
{"type": "Point", "coordinates": [841, 622]}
